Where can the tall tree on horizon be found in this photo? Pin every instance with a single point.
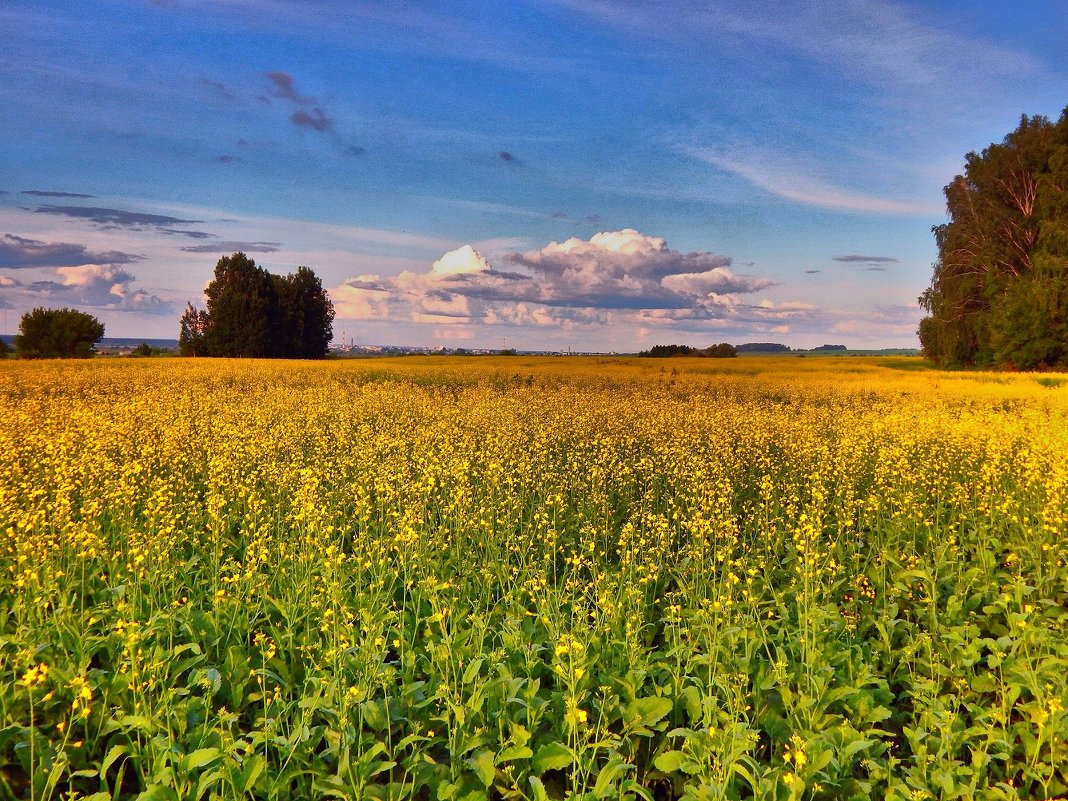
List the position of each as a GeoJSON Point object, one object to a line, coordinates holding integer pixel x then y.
{"type": "Point", "coordinates": [253, 313]}
{"type": "Point", "coordinates": [240, 298]}
{"type": "Point", "coordinates": [999, 290]}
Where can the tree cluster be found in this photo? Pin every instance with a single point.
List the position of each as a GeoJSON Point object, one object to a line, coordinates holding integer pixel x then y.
{"type": "Point", "coordinates": [720, 351]}
{"type": "Point", "coordinates": [253, 313]}
{"type": "Point", "coordinates": [57, 334]}
{"type": "Point", "coordinates": [762, 347]}
{"type": "Point", "coordinates": [999, 292]}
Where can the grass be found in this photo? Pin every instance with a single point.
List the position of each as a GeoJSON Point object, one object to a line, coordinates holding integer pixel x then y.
{"type": "Point", "coordinates": [531, 579]}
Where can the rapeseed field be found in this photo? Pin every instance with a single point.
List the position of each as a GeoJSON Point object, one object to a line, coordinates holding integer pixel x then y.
{"type": "Point", "coordinates": [512, 578]}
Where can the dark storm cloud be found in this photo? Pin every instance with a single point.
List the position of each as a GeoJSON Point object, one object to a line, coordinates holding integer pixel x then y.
{"type": "Point", "coordinates": [43, 193]}
{"type": "Point", "coordinates": [17, 252]}
{"type": "Point", "coordinates": [117, 218]}
{"type": "Point", "coordinates": [224, 248]}
{"type": "Point", "coordinates": [857, 259]}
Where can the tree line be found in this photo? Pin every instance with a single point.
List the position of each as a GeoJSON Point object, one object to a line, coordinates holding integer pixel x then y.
{"type": "Point", "coordinates": [253, 313]}
{"type": "Point", "coordinates": [999, 290]}
{"type": "Point", "coordinates": [723, 350]}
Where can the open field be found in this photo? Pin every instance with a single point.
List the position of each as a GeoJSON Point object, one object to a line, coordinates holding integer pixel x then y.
{"type": "Point", "coordinates": [532, 578]}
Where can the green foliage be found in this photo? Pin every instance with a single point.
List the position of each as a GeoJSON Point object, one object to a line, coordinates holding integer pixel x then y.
{"type": "Point", "coordinates": [4, 349]}
{"type": "Point", "coordinates": [997, 294]}
{"type": "Point", "coordinates": [239, 308]}
{"type": "Point", "coordinates": [666, 351]}
{"type": "Point", "coordinates": [57, 334]}
{"type": "Point", "coordinates": [192, 332]}
{"type": "Point", "coordinates": [723, 350]}
{"type": "Point", "coordinates": [253, 313]}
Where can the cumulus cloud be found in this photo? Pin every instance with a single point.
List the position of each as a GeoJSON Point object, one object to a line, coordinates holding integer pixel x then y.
{"type": "Point", "coordinates": [105, 285]}
{"type": "Point", "coordinates": [614, 276]}
{"type": "Point", "coordinates": [89, 285]}
{"type": "Point", "coordinates": [18, 252]}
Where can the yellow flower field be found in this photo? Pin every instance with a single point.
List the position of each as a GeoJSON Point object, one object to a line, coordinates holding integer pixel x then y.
{"type": "Point", "coordinates": [518, 578]}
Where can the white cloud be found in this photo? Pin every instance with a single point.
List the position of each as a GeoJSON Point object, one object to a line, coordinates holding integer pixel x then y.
{"type": "Point", "coordinates": [614, 278]}
{"type": "Point", "coordinates": [461, 261]}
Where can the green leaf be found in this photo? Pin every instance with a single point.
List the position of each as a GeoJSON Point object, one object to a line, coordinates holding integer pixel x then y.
{"type": "Point", "coordinates": [199, 758]}
{"type": "Point", "coordinates": [472, 670]}
{"type": "Point", "coordinates": [513, 752]}
{"type": "Point", "coordinates": [374, 714]}
{"type": "Point", "coordinates": [483, 765]}
{"type": "Point", "coordinates": [254, 766]}
{"type": "Point", "coordinates": [647, 711]}
{"type": "Point", "coordinates": [669, 761]}
{"type": "Point", "coordinates": [538, 788]}
{"type": "Point", "coordinates": [115, 752]}
{"type": "Point", "coordinates": [552, 757]}
{"type": "Point", "coordinates": [607, 777]}
{"type": "Point", "coordinates": [820, 760]}
{"type": "Point", "coordinates": [157, 792]}
{"type": "Point", "coordinates": [853, 747]}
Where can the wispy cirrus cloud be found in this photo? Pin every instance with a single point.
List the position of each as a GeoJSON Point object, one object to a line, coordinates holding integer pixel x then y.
{"type": "Point", "coordinates": [784, 178]}
{"type": "Point", "coordinates": [881, 42]}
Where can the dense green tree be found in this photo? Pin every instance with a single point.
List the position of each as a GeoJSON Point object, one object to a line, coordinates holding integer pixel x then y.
{"type": "Point", "coordinates": [192, 333]}
{"type": "Point", "coordinates": [57, 334]}
{"type": "Point", "coordinates": [302, 324]}
{"type": "Point", "coordinates": [252, 313]}
{"type": "Point", "coordinates": [998, 291]}
{"type": "Point", "coordinates": [240, 300]}
{"type": "Point", "coordinates": [4, 349]}
{"type": "Point", "coordinates": [724, 350]}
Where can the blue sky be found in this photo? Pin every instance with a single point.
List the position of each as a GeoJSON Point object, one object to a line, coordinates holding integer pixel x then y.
{"type": "Point", "coordinates": [596, 174]}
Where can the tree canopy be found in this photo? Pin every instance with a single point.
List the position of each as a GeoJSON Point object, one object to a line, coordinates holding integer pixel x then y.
{"type": "Point", "coordinates": [253, 313]}
{"type": "Point", "coordinates": [724, 350]}
{"type": "Point", "coordinates": [57, 334]}
{"type": "Point", "coordinates": [999, 292]}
